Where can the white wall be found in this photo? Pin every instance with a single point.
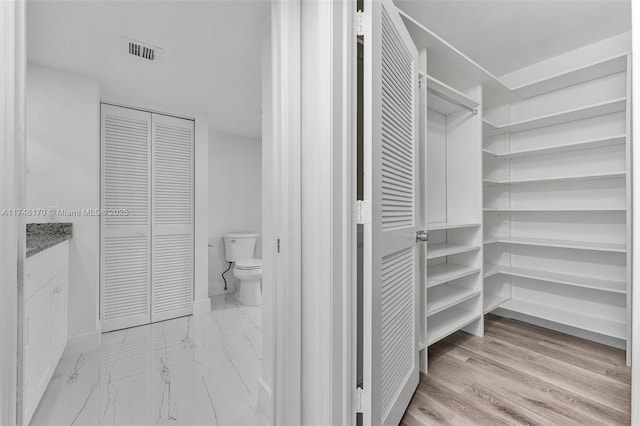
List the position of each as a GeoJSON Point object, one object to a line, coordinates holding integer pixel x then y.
{"type": "Point", "coordinates": [234, 198]}
{"type": "Point", "coordinates": [265, 383]}
{"type": "Point", "coordinates": [63, 170]}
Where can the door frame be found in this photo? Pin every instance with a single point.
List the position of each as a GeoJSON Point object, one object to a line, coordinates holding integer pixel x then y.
{"type": "Point", "coordinates": [286, 317]}
{"type": "Point", "coordinates": [328, 195]}
{"type": "Point", "coordinates": [12, 196]}
{"type": "Point", "coordinates": [635, 166]}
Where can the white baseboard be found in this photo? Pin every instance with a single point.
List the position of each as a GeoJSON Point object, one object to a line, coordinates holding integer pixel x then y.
{"type": "Point", "coordinates": [202, 306]}
{"type": "Point", "coordinates": [265, 400]}
{"type": "Point", "coordinates": [216, 288]}
{"type": "Point", "coordinates": [82, 343]}
{"type": "Point", "coordinates": [562, 328]}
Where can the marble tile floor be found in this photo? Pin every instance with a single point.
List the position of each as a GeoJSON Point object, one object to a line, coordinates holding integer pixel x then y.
{"type": "Point", "coordinates": [199, 370]}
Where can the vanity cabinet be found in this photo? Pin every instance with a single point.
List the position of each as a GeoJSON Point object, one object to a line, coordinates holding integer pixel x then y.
{"type": "Point", "coordinates": [45, 321]}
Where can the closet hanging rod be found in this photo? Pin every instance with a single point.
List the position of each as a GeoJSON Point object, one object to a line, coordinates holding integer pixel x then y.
{"type": "Point", "coordinates": [453, 101]}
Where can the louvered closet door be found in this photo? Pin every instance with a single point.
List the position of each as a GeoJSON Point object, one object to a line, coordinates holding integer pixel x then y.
{"type": "Point", "coordinates": [390, 305]}
{"type": "Point", "coordinates": [125, 239]}
{"type": "Point", "coordinates": [172, 242]}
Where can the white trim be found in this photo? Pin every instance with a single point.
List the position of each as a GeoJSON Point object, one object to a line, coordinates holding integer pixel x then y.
{"type": "Point", "coordinates": [635, 163]}
{"type": "Point", "coordinates": [82, 343]}
{"type": "Point", "coordinates": [12, 195]}
{"type": "Point", "coordinates": [327, 200]}
{"type": "Point", "coordinates": [202, 306]}
{"type": "Point", "coordinates": [287, 339]}
{"type": "Point", "coordinates": [265, 399]}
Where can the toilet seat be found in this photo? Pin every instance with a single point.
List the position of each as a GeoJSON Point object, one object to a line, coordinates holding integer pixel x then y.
{"type": "Point", "coordinates": [248, 264]}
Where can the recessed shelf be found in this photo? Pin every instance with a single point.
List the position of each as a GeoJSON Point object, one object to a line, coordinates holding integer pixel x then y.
{"type": "Point", "coordinates": [449, 249]}
{"type": "Point", "coordinates": [555, 210]}
{"type": "Point", "coordinates": [555, 149]}
{"type": "Point", "coordinates": [454, 100]}
{"type": "Point", "coordinates": [492, 301]}
{"type": "Point", "coordinates": [556, 178]}
{"type": "Point", "coordinates": [446, 296]}
{"type": "Point", "coordinates": [595, 110]}
{"type": "Point", "coordinates": [617, 329]}
{"type": "Point", "coordinates": [572, 77]}
{"type": "Point", "coordinates": [445, 272]}
{"type": "Point", "coordinates": [576, 245]}
{"type": "Point", "coordinates": [611, 286]}
{"type": "Point", "coordinates": [447, 322]}
{"type": "Point", "coordinates": [437, 226]}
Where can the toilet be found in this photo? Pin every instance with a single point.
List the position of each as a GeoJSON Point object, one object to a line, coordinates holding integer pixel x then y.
{"type": "Point", "coordinates": [240, 248]}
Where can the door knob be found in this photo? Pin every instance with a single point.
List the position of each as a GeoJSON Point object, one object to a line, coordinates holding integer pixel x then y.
{"type": "Point", "coordinates": [422, 236]}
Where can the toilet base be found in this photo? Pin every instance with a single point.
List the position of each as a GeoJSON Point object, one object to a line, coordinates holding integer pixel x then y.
{"type": "Point", "coordinates": [250, 293]}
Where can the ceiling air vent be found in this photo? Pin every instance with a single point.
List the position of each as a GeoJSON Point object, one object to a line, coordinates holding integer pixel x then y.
{"type": "Point", "coordinates": [141, 49]}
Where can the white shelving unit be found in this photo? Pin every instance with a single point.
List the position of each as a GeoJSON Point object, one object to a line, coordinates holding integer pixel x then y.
{"type": "Point", "coordinates": [447, 272]}
{"type": "Point", "coordinates": [549, 210]}
{"type": "Point", "coordinates": [604, 326]}
{"type": "Point", "coordinates": [448, 322]}
{"type": "Point", "coordinates": [556, 149]}
{"type": "Point", "coordinates": [451, 142]}
{"type": "Point", "coordinates": [554, 277]}
{"type": "Point", "coordinates": [581, 74]}
{"type": "Point", "coordinates": [445, 99]}
{"type": "Point", "coordinates": [574, 245]}
{"type": "Point", "coordinates": [436, 226]}
{"type": "Point", "coordinates": [548, 222]}
{"type": "Point", "coordinates": [551, 177]}
{"type": "Point", "coordinates": [582, 113]}
{"type": "Point", "coordinates": [444, 297]}
{"type": "Point", "coordinates": [435, 251]}
{"type": "Point", "coordinates": [615, 174]}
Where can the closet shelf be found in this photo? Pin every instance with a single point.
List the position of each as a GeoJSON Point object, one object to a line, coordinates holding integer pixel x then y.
{"type": "Point", "coordinates": [449, 249]}
{"type": "Point", "coordinates": [446, 296]}
{"type": "Point", "coordinates": [590, 111]}
{"type": "Point", "coordinates": [454, 67]}
{"type": "Point", "coordinates": [454, 98]}
{"type": "Point", "coordinates": [445, 272]}
{"type": "Point", "coordinates": [611, 286]}
{"type": "Point", "coordinates": [556, 178]}
{"type": "Point", "coordinates": [555, 149]}
{"type": "Point", "coordinates": [572, 77]}
{"type": "Point", "coordinates": [437, 226]}
{"type": "Point", "coordinates": [493, 301]}
{"type": "Point", "coordinates": [447, 322]}
{"type": "Point", "coordinates": [576, 245]}
{"type": "Point", "coordinates": [555, 210]}
{"type": "Point", "coordinates": [617, 329]}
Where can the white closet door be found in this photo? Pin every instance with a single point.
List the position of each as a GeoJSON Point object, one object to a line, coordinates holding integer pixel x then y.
{"type": "Point", "coordinates": [390, 306]}
{"type": "Point", "coordinates": [172, 195]}
{"type": "Point", "coordinates": [126, 185]}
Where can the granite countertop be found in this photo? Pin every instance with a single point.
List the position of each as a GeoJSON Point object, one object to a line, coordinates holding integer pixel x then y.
{"type": "Point", "coordinates": [41, 236]}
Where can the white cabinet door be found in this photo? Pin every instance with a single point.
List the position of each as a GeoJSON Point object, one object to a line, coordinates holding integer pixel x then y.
{"type": "Point", "coordinates": [172, 241]}
{"type": "Point", "coordinates": [58, 322]}
{"type": "Point", "coordinates": [390, 305]}
{"type": "Point", "coordinates": [37, 355]}
{"type": "Point", "coordinates": [126, 238]}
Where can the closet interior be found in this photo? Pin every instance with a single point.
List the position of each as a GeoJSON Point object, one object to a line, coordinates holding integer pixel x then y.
{"type": "Point", "coordinates": [525, 188]}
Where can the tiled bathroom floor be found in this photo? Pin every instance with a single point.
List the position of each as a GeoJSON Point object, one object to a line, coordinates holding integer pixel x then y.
{"type": "Point", "coordinates": [200, 370]}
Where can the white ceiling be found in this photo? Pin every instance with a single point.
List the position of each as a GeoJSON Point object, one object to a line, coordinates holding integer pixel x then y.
{"type": "Point", "coordinates": [506, 35]}
{"type": "Point", "coordinates": [211, 60]}
{"type": "Point", "coordinates": [210, 64]}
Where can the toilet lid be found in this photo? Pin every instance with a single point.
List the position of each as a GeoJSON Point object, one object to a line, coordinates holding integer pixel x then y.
{"type": "Point", "coordinates": [249, 264]}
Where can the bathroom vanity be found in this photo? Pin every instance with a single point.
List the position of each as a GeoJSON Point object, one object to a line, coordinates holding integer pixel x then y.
{"type": "Point", "coordinates": [45, 308]}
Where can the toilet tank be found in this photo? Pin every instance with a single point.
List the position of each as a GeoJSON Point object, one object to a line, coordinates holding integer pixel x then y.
{"type": "Point", "coordinates": [239, 245]}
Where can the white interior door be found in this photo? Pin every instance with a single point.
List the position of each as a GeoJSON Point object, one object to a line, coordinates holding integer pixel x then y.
{"type": "Point", "coordinates": [390, 305]}
{"type": "Point", "coordinates": [126, 186]}
{"type": "Point", "coordinates": [172, 195]}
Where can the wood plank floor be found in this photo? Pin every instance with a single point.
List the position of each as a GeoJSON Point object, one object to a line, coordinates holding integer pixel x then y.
{"type": "Point", "coordinates": [520, 374]}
